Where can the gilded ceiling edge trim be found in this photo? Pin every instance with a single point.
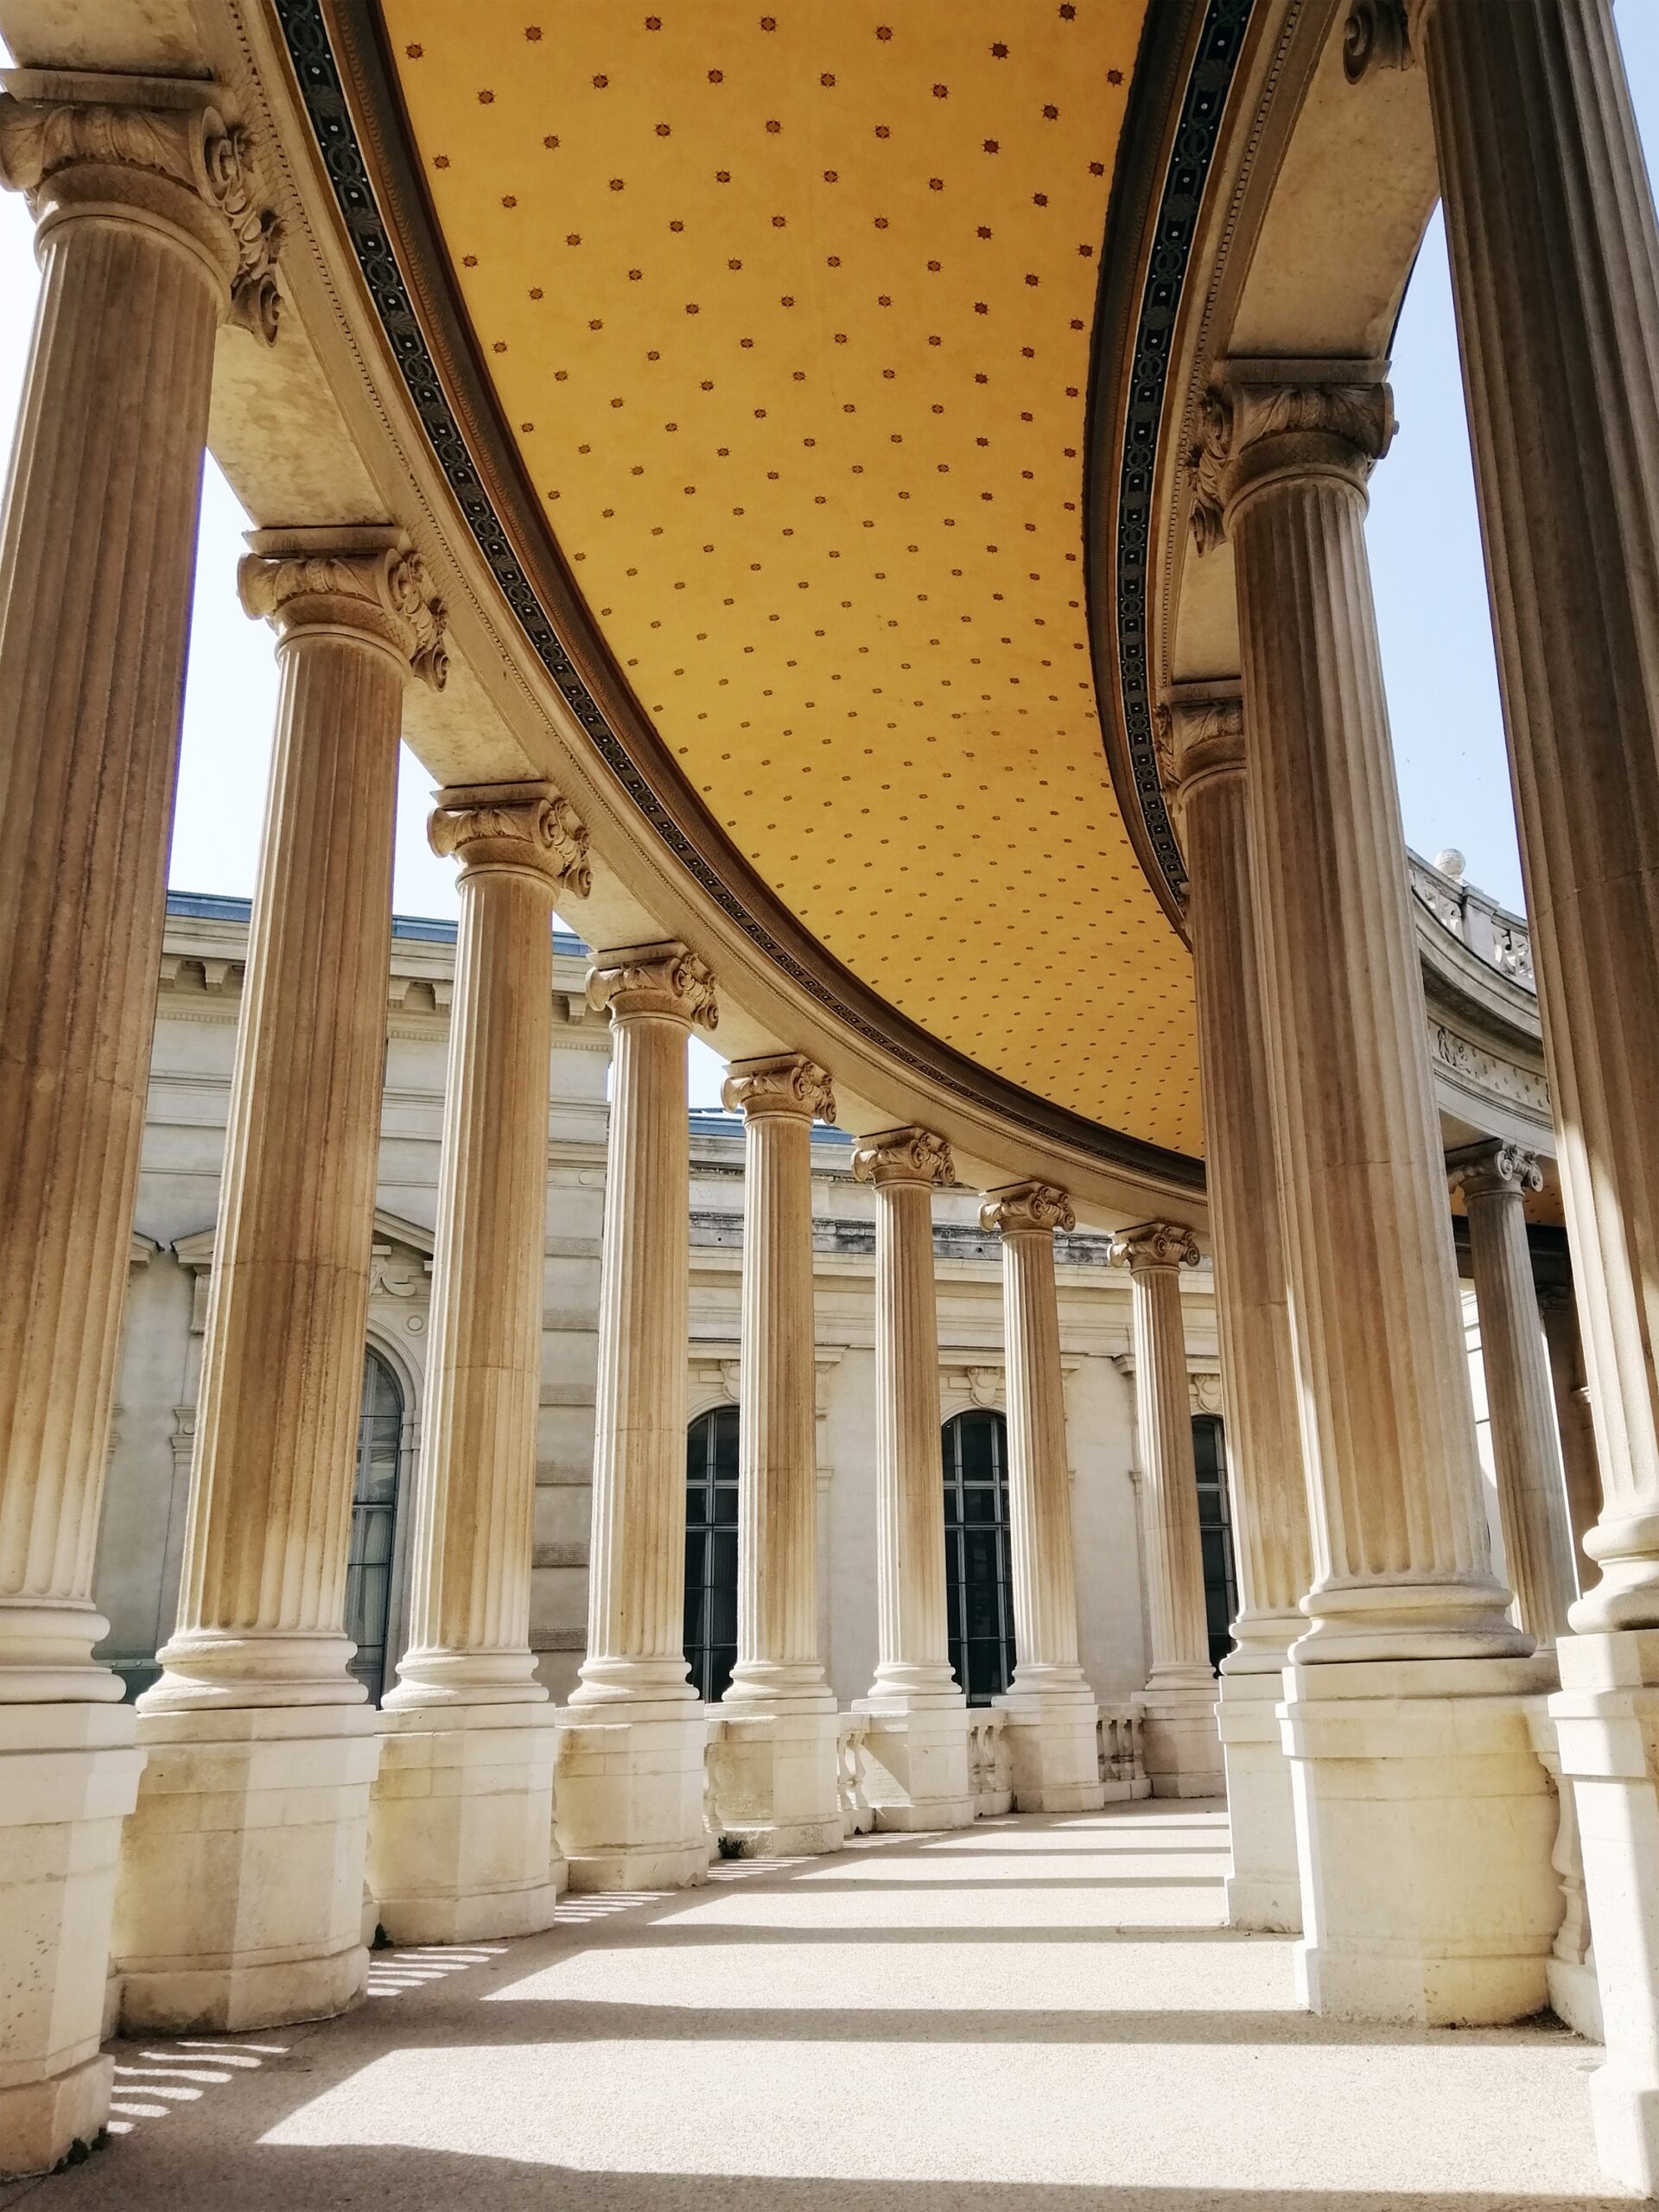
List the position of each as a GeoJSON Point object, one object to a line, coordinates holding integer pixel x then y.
{"type": "Point", "coordinates": [484, 474]}
{"type": "Point", "coordinates": [1126, 421]}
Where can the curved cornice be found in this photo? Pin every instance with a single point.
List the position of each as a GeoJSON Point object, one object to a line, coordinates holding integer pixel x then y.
{"type": "Point", "coordinates": [350, 105]}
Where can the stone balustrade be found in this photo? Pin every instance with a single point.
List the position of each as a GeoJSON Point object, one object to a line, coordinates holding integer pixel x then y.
{"type": "Point", "coordinates": [1473, 916]}
{"type": "Point", "coordinates": [991, 1761]}
{"type": "Point", "coordinates": [856, 1817]}
{"type": "Point", "coordinates": [1117, 1733]}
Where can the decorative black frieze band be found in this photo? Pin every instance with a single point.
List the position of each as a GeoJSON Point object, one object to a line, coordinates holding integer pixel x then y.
{"type": "Point", "coordinates": [311, 53]}
{"type": "Point", "coordinates": [1220, 42]}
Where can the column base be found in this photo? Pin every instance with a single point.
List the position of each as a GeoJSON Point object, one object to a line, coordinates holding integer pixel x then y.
{"type": "Point", "coordinates": [1606, 1718]}
{"type": "Point", "coordinates": [1052, 1741]}
{"type": "Point", "coordinates": [775, 1780]}
{"type": "Point", "coordinates": [239, 1903]}
{"type": "Point", "coordinates": [629, 1794]}
{"type": "Point", "coordinates": [1575, 1996]}
{"type": "Point", "coordinates": [1179, 1746]}
{"type": "Point", "coordinates": [1425, 1824]}
{"type": "Point", "coordinates": [916, 1773]}
{"type": "Point", "coordinates": [461, 1823]}
{"type": "Point", "coordinates": [1264, 1889]}
{"type": "Point", "coordinates": [68, 1776]}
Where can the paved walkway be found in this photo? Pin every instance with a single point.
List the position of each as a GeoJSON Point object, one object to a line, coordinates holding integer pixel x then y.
{"type": "Point", "coordinates": [1032, 2015]}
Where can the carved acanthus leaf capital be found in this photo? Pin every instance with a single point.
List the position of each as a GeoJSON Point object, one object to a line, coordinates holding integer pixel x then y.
{"type": "Point", "coordinates": [908, 1156]}
{"type": "Point", "coordinates": [366, 579]}
{"type": "Point", "coordinates": [1206, 739]}
{"type": "Point", "coordinates": [787, 1082]}
{"type": "Point", "coordinates": [1253, 427]}
{"type": "Point", "coordinates": [1027, 1209]}
{"type": "Point", "coordinates": [1154, 1244]}
{"type": "Point", "coordinates": [1494, 1168]}
{"type": "Point", "coordinates": [526, 827]}
{"type": "Point", "coordinates": [68, 137]}
{"type": "Point", "coordinates": [654, 979]}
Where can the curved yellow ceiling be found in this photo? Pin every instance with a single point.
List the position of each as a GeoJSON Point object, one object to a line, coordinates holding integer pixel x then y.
{"type": "Point", "coordinates": [789, 313]}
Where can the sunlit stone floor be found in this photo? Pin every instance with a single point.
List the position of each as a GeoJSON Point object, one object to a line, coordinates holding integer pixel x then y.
{"type": "Point", "coordinates": [1035, 2014]}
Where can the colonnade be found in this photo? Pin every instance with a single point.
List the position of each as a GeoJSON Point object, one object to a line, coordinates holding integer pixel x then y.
{"type": "Point", "coordinates": [1380, 1715]}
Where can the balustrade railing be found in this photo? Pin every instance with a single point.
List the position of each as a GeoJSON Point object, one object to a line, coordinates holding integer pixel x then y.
{"type": "Point", "coordinates": [856, 1818]}
{"type": "Point", "coordinates": [990, 1763]}
{"type": "Point", "coordinates": [1490, 932]}
{"type": "Point", "coordinates": [1118, 1734]}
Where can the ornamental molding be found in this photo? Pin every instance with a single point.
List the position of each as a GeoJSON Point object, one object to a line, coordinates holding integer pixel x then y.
{"type": "Point", "coordinates": [1485, 1074]}
{"type": "Point", "coordinates": [639, 980]}
{"type": "Point", "coordinates": [907, 1155]}
{"type": "Point", "coordinates": [1154, 1244]}
{"type": "Point", "coordinates": [786, 1083]}
{"type": "Point", "coordinates": [1027, 1209]}
{"type": "Point", "coordinates": [1204, 1391]}
{"type": "Point", "coordinates": [368, 579]}
{"type": "Point", "coordinates": [1495, 1168]}
{"type": "Point", "coordinates": [1270, 419]}
{"type": "Point", "coordinates": [152, 129]}
{"type": "Point", "coordinates": [520, 828]}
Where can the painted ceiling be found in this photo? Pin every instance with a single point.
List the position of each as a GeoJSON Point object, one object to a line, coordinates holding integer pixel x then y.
{"type": "Point", "coordinates": [790, 316]}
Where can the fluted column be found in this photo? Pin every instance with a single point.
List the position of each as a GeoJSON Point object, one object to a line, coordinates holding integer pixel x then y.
{"type": "Point", "coordinates": [1183, 1752]}
{"type": "Point", "coordinates": [777, 1451]}
{"type": "Point", "coordinates": [461, 1829]}
{"type": "Point", "coordinates": [1271, 1542]}
{"type": "Point", "coordinates": [1574, 1428]}
{"type": "Point", "coordinates": [918, 1740]}
{"type": "Point", "coordinates": [255, 1708]}
{"type": "Point", "coordinates": [1411, 1666]}
{"type": "Point", "coordinates": [149, 236]}
{"type": "Point", "coordinates": [773, 1753]}
{"type": "Point", "coordinates": [1494, 1177]}
{"type": "Point", "coordinates": [1050, 1728]}
{"type": "Point", "coordinates": [630, 1794]}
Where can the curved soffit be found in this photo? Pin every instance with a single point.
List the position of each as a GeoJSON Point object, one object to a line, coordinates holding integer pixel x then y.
{"type": "Point", "coordinates": [789, 318]}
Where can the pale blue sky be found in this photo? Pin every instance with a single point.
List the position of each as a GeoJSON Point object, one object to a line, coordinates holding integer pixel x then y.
{"type": "Point", "coordinates": [1425, 546]}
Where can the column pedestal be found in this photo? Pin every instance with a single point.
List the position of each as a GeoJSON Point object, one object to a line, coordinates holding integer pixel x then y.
{"type": "Point", "coordinates": [1607, 1722]}
{"type": "Point", "coordinates": [68, 1775]}
{"type": "Point", "coordinates": [241, 1894]}
{"type": "Point", "coordinates": [917, 1777]}
{"type": "Point", "coordinates": [1054, 1745]}
{"type": "Point", "coordinates": [629, 1788]}
{"type": "Point", "coordinates": [1180, 1749]}
{"type": "Point", "coordinates": [775, 1779]}
{"type": "Point", "coordinates": [460, 1845]}
{"type": "Point", "coordinates": [1264, 1889]}
{"type": "Point", "coordinates": [1425, 1824]}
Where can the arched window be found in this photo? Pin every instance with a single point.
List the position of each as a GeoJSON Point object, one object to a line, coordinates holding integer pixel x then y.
{"type": "Point", "coordinates": [374, 1521]}
{"type": "Point", "coordinates": [1216, 1533]}
{"type": "Point", "coordinates": [711, 1551]}
{"type": "Point", "coordinates": [979, 1596]}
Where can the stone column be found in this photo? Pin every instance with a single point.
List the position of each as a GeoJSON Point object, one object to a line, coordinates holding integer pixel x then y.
{"type": "Point", "coordinates": [1183, 1750]}
{"type": "Point", "coordinates": [1405, 1710]}
{"type": "Point", "coordinates": [1258, 1358]}
{"type": "Point", "coordinates": [149, 237]}
{"type": "Point", "coordinates": [1574, 1429]}
{"type": "Point", "coordinates": [460, 1827]}
{"type": "Point", "coordinates": [773, 1753]}
{"type": "Point", "coordinates": [630, 1785]}
{"type": "Point", "coordinates": [1051, 1730]}
{"type": "Point", "coordinates": [239, 1902]}
{"type": "Point", "coordinates": [1554, 251]}
{"type": "Point", "coordinates": [918, 1738]}
{"type": "Point", "coordinates": [1494, 1177]}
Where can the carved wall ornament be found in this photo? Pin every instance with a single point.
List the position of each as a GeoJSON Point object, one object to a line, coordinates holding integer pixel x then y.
{"type": "Point", "coordinates": [1026, 1208]}
{"type": "Point", "coordinates": [525, 827]}
{"type": "Point", "coordinates": [1154, 1244]}
{"type": "Point", "coordinates": [907, 1155]}
{"type": "Point", "coordinates": [1493, 1167]}
{"type": "Point", "coordinates": [787, 1082]}
{"type": "Point", "coordinates": [1203, 1392]}
{"type": "Point", "coordinates": [1250, 428]}
{"type": "Point", "coordinates": [368, 579]}
{"type": "Point", "coordinates": [1206, 739]}
{"type": "Point", "coordinates": [46, 129]}
{"type": "Point", "coordinates": [1485, 1071]}
{"type": "Point", "coordinates": [660, 979]}
{"type": "Point", "coordinates": [1376, 35]}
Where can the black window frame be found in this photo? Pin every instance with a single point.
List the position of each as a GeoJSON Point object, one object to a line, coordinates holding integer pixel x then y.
{"type": "Point", "coordinates": [976, 1531]}
{"type": "Point", "coordinates": [710, 1621]}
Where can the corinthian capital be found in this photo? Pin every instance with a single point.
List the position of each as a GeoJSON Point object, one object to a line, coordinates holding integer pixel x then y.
{"type": "Point", "coordinates": [521, 828]}
{"type": "Point", "coordinates": [909, 1155]}
{"type": "Point", "coordinates": [68, 138]}
{"type": "Point", "coordinates": [787, 1084]}
{"type": "Point", "coordinates": [1494, 1168]}
{"type": "Point", "coordinates": [1154, 1244]}
{"type": "Point", "coordinates": [1281, 419]}
{"type": "Point", "coordinates": [647, 979]}
{"type": "Point", "coordinates": [365, 578]}
{"type": "Point", "coordinates": [1027, 1209]}
{"type": "Point", "coordinates": [1205, 738]}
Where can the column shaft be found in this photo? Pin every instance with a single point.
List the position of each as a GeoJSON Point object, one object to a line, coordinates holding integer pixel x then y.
{"type": "Point", "coordinates": [1531, 1489]}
